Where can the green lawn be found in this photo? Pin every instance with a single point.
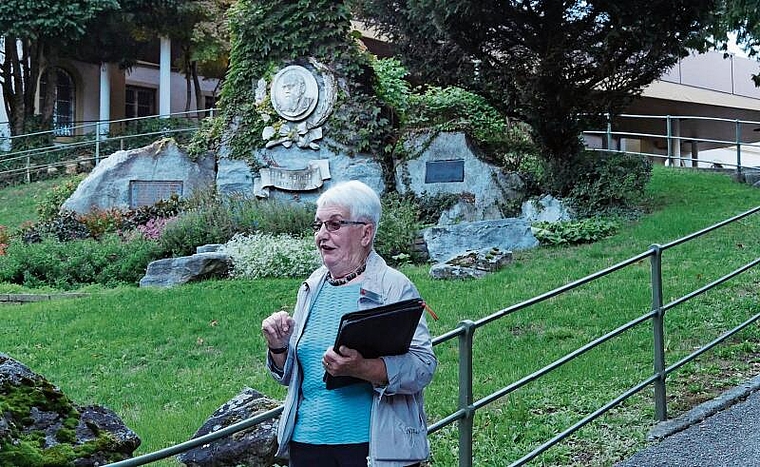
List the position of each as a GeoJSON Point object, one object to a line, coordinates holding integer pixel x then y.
{"type": "Point", "coordinates": [17, 203]}
{"type": "Point", "coordinates": [166, 359]}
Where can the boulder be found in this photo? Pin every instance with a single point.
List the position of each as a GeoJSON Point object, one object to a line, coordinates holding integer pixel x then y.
{"type": "Point", "coordinates": [253, 447]}
{"type": "Point", "coordinates": [448, 163]}
{"type": "Point", "coordinates": [42, 426]}
{"type": "Point", "coordinates": [209, 248]}
{"type": "Point", "coordinates": [546, 208]}
{"type": "Point", "coordinates": [446, 241]}
{"type": "Point", "coordinates": [143, 176]}
{"type": "Point", "coordinates": [174, 271]}
{"type": "Point", "coordinates": [472, 264]}
{"type": "Point", "coordinates": [234, 177]}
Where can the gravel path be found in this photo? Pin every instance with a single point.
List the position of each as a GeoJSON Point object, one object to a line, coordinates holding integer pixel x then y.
{"type": "Point", "coordinates": [729, 436]}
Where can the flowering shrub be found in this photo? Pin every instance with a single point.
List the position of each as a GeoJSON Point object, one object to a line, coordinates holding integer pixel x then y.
{"type": "Point", "coordinates": [265, 255]}
{"type": "Point", "coordinates": [99, 221]}
{"type": "Point", "coordinates": [153, 229]}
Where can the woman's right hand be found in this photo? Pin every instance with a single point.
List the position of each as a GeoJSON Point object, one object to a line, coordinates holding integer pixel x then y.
{"type": "Point", "coordinates": [277, 329]}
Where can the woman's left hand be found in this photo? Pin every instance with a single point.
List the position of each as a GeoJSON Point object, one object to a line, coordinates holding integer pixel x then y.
{"type": "Point", "coordinates": [350, 362]}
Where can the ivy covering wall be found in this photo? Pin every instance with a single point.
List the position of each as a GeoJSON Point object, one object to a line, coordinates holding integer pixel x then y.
{"type": "Point", "coordinates": [267, 36]}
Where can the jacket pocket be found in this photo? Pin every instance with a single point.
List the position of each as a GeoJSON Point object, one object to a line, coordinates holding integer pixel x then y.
{"type": "Point", "coordinates": [401, 433]}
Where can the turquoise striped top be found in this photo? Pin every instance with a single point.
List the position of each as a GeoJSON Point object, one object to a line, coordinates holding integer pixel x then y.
{"type": "Point", "coordinates": [339, 416]}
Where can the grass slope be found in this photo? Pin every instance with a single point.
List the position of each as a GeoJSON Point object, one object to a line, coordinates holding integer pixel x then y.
{"type": "Point", "coordinates": [17, 203]}
{"type": "Point", "coordinates": [166, 359]}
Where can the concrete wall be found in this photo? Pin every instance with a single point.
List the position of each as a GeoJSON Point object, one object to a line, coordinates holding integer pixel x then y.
{"type": "Point", "coordinates": [731, 75]}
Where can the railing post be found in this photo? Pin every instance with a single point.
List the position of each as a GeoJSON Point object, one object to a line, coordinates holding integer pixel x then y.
{"type": "Point", "coordinates": [669, 130]}
{"type": "Point", "coordinates": [738, 147]}
{"type": "Point", "coordinates": [28, 169]}
{"type": "Point", "coordinates": [609, 130]}
{"type": "Point", "coordinates": [465, 393]}
{"type": "Point", "coordinates": [658, 328]}
{"type": "Point", "coordinates": [97, 145]}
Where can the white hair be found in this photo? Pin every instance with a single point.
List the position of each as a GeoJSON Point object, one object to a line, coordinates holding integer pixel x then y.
{"type": "Point", "coordinates": [361, 201]}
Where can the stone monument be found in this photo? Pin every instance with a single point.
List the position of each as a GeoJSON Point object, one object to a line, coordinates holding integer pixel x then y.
{"type": "Point", "coordinates": [294, 163]}
{"type": "Point", "coordinates": [139, 177]}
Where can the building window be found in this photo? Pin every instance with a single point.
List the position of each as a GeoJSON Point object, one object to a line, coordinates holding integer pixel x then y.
{"type": "Point", "coordinates": [139, 102]}
{"type": "Point", "coordinates": [64, 108]}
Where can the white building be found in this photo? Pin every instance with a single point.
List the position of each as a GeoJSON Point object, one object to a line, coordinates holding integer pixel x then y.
{"type": "Point", "coordinates": [90, 93]}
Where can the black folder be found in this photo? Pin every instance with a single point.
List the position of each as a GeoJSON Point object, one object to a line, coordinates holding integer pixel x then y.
{"type": "Point", "coordinates": [374, 332]}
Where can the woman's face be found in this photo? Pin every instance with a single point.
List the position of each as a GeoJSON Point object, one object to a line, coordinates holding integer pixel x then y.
{"type": "Point", "coordinates": [345, 249]}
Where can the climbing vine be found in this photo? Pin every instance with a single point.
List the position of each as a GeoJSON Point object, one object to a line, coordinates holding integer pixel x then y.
{"type": "Point", "coordinates": [267, 36]}
{"type": "Point", "coordinates": [375, 111]}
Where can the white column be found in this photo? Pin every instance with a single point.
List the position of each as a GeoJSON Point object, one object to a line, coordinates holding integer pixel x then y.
{"type": "Point", "coordinates": [677, 162]}
{"type": "Point", "coordinates": [105, 100]}
{"type": "Point", "coordinates": [164, 85]}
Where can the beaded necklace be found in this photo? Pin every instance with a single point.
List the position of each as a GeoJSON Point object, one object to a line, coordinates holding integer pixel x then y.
{"type": "Point", "coordinates": [347, 278]}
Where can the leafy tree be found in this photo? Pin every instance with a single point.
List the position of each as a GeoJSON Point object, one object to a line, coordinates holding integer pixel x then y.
{"type": "Point", "coordinates": [547, 62]}
{"type": "Point", "coordinates": [34, 35]}
{"type": "Point", "coordinates": [205, 43]}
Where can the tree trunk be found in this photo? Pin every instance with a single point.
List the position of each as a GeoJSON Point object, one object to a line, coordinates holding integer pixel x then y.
{"type": "Point", "coordinates": [188, 84]}
{"type": "Point", "coordinates": [200, 103]}
{"type": "Point", "coordinates": [13, 86]}
{"type": "Point", "coordinates": [48, 98]}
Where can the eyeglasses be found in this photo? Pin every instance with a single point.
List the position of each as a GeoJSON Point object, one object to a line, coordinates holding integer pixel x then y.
{"type": "Point", "coordinates": [333, 224]}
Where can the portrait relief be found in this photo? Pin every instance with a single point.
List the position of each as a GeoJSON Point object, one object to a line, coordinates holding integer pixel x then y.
{"type": "Point", "coordinates": [294, 93]}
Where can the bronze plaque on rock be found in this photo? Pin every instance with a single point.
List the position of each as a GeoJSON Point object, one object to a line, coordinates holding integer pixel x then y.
{"type": "Point", "coordinates": [444, 171]}
{"type": "Point", "coordinates": [149, 192]}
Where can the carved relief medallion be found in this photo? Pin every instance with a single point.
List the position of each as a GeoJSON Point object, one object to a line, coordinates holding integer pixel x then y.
{"type": "Point", "coordinates": [303, 98]}
{"type": "Point", "coordinates": [294, 93]}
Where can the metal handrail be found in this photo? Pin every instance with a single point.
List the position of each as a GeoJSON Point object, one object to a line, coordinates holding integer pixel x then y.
{"type": "Point", "coordinates": [674, 139]}
{"type": "Point", "coordinates": [96, 141]}
{"type": "Point", "coordinates": [464, 413]}
{"type": "Point", "coordinates": [94, 124]}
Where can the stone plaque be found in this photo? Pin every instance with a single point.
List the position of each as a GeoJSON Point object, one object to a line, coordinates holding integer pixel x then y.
{"type": "Point", "coordinates": [149, 192]}
{"type": "Point", "coordinates": [444, 171]}
{"type": "Point", "coordinates": [306, 179]}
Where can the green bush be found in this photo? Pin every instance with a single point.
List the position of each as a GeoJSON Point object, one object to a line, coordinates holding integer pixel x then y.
{"type": "Point", "coordinates": [573, 232]}
{"type": "Point", "coordinates": [398, 229]}
{"type": "Point", "coordinates": [200, 226]}
{"type": "Point", "coordinates": [608, 182]}
{"type": "Point", "coordinates": [64, 226]}
{"type": "Point", "coordinates": [49, 204]}
{"type": "Point", "coordinates": [162, 209]}
{"type": "Point", "coordinates": [72, 264]}
{"type": "Point", "coordinates": [270, 216]}
{"type": "Point", "coordinates": [211, 218]}
{"type": "Point", "coordinates": [504, 142]}
{"type": "Point", "coordinates": [100, 222]}
{"type": "Point", "coordinates": [392, 87]}
{"type": "Point", "coordinates": [430, 207]}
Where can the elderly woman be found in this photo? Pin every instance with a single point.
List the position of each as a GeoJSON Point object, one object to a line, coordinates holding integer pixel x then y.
{"type": "Point", "coordinates": [381, 422]}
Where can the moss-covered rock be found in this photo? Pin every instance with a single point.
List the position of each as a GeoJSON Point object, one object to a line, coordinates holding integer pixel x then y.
{"type": "Point", "coordinates": [41, 426]}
